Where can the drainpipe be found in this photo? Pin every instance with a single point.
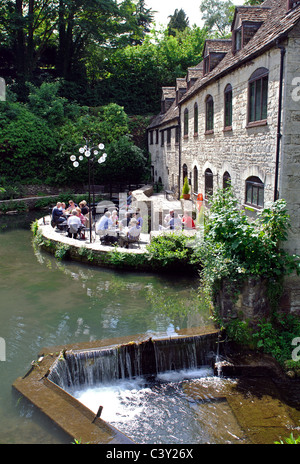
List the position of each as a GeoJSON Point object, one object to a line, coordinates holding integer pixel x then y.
{"type": "Point", "coordinates": [279, 135]}
{"type": "Point", "coordinates": [179, 151]}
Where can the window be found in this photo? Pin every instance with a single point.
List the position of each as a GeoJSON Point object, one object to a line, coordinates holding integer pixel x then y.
{"type": "Point", "coordinates": [254, 192]}
{"type": "Point", "coordinates": [228, 106]}
{"type": "Point", "coordinates": [157, 136]}
{"type": "Point", "coordinates": [238, 40]}
{"type": "Point", "coordinates": [206, 65]}
{"type": "Point", "coordinates": [162, 140]}
{"type": "Point", "coordinates": [151, 137]}
{"type": "Point", "coordinates": [209, 124]}
{"type": "Point", "coordinates": [209, 187]}
{"type": "Point", "coordinates": [169, 136]}
{"type": "Point", "coordinates": [196, 119]}
{"type": "Point", "coordinates": [186, 123]}
{"type": "Point", "coordinates": [184, 171]}
{"type": "Point", "coordinates": [258, 95]}
{"type": "Point", "coordinates": [177, 135]}
{"type": "Point", "coordinates": [195, 179]}
{"type": "Point", "coordinates": [226, 180]}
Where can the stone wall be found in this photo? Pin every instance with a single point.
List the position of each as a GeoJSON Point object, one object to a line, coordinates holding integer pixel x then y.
{"type": "Point", "coordinates": [241, 151]}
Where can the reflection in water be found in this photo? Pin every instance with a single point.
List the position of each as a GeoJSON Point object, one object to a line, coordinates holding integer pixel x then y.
{"type": "Point", "coordinates": [45, 302]}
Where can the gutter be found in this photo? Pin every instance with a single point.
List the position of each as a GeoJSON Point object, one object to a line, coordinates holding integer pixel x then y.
{"type": "Point", "coordinates": [279, 135]}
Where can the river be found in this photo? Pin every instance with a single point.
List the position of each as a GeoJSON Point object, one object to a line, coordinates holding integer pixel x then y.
{"type": "Point", "coordinates": [45, 302]}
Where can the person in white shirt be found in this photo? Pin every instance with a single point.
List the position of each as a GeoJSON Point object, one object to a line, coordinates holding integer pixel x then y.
{"type": "Point", "coordinates": [74, 224]}
{"type": "Point", "coordinates": [105, 223]}
{"type": "Point", "coordinates": [132, 234]}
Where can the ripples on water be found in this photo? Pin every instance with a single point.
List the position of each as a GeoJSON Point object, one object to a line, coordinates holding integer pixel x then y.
{"type": "Point", "coordinates": [167, 410]}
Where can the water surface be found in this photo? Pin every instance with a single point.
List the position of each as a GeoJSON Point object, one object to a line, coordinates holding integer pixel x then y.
{"type": "Point", "coordinates": [44, 302]}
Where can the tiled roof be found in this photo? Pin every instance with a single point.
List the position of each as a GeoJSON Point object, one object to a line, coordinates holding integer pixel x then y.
{"type": "Point", "coordinates": [168, 92]}
{"type": "Point", "coordinates": [255, 14]}
{"type": "Point", "coordinates": [277, 24]}
{"type": "Point", "coordinates": [217, 45]}
{"type": "Point", "coordinates": [170, 115]}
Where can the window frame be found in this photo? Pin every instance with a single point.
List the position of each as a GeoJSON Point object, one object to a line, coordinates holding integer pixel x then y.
{"type": "Point", "coordinates": [169, 136]}
{"type": "Point", "coordinates": [209, 115]}
{"type": "Point", "coordinates": [257, 190]}
{"type": "Point", "coordinates": [228, 101]}
{"type": "Point", "coordinates": [208, 186]}
{"type": "Point", "coordinates": [186, 123]}
{"type": "Point", "coordinates": [258, 90]}
{"type": "Point", "coordinates": [196, 119]}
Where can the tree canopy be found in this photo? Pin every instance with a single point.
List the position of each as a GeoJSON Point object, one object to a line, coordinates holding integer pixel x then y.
{"type": "Point", "coordinates": [217, 16]}
{"type": "Point", "coordinates": [178, 22]}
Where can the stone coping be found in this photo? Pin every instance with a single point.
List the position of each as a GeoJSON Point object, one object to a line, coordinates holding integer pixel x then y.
{"type": "Point", "coordinates": [50, 233]}
{"type": "Point", "coordinates": [71, 416]}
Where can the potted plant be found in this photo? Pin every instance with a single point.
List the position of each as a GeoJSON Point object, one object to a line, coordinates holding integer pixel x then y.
{"type": "Point", "coordinates": [186, 189]}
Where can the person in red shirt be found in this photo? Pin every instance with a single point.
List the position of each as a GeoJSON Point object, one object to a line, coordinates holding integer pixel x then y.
{"type": "Point", "coordinates": [187, 221]}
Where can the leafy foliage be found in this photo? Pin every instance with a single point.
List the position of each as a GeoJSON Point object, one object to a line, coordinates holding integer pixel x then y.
{"type": "Point", "coordinates": [172, 251]}
{"type": "Point", "coordinates": [236, 248]}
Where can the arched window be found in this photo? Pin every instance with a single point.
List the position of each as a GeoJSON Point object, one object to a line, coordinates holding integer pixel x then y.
{"type": "Point", "coordinates": [184, 172]}
{"type": "Point", "coordinates": [226, 180]}
{"type": "Point", "coordinates": [186, 123]}
{"type": "Point", "coordinates": [254, 192]}
{"type": "Point", "coordinates": [209, 107]}
{"type": "Point", "coordinates": [209, 183]}
{"type": "Point", "coordinates": [228, 106]}
{"type": "Point", "coordinates": [258, 95]}
{"type": "Point", "coordinates": [195, 180]}
{"type": "Point", "coordinates": [196, 119]}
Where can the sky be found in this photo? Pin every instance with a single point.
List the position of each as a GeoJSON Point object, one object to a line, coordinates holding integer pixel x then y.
{"type": "Point", "coordinates": [191, 8]}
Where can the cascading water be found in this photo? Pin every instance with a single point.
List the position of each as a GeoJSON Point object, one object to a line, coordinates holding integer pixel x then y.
{"type": "Point", "coordinates": [142, 386]}
{"type": "Point", "coordinates": [74, 369]}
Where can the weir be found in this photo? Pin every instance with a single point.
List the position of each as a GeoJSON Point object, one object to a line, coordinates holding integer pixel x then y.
{"type": "Point", "coordinates": [60, 371]}
{"type": "Point", "coordinates": [73, 369]}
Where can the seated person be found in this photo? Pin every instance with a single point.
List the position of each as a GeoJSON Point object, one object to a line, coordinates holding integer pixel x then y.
{"type": "Point", "coordinates": [74, 224]}
{"type": "Point", "coordinates": [71, 206]}
{"type": "Point", "coordinates": [114, 217]}
{"type": "Point", "coordinates": [57, 215]}
{"type": "Point", "coordinates": [84, 207]}
{"type": "Point", "coordinates": [81, 216]}
{"type": "Point", "coordinates": [168, 217]}
{"type": "Point", "coordinates": [139, 218]}
{"type": "Point", "coordinates": [132, 234]}
{"type": "Point", "coordinates": [187, 221]}
{"type": "Point", "coordinates": [125, 222]}
{"type": "Point", "coordinates": [104, 224]}
{"type": "Point", "coordinates": [105, 229]}
{"type": "Point", "coordinates": [175, 222]}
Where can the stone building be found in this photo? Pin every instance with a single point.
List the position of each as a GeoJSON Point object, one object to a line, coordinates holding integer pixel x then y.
{"type": "Point", "coordinates": [236, 116]}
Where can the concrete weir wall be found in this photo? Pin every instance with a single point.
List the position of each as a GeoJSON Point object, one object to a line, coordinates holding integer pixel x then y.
{"type": "Point", "coordinates": [59, 367]}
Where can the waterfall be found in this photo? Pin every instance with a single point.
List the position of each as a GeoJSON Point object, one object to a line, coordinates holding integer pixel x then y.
{"type": "Point", "coordinates": [73, 369]}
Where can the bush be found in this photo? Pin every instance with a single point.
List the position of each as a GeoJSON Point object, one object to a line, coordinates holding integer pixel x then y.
{"type": "Point", "coordinates": [172, 251]}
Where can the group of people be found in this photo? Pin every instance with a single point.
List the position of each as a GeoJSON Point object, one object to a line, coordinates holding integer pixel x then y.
{"type": "Point", "coordinates": [173, 221]}
{"type": "Point", "coordinates": [74, 217]}
{"type": "Point", "coordinates": [113, 230]}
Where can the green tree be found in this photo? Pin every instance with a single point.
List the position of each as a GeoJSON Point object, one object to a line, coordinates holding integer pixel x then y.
{"type": "Point", "coordinates": [178, 22]}
{"type": "Point", "coordinates": [217, 16]}
{"type": "Point", "coordinates": [27, 145]}
{"type": "Point", "coordinates": [125, 162]}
